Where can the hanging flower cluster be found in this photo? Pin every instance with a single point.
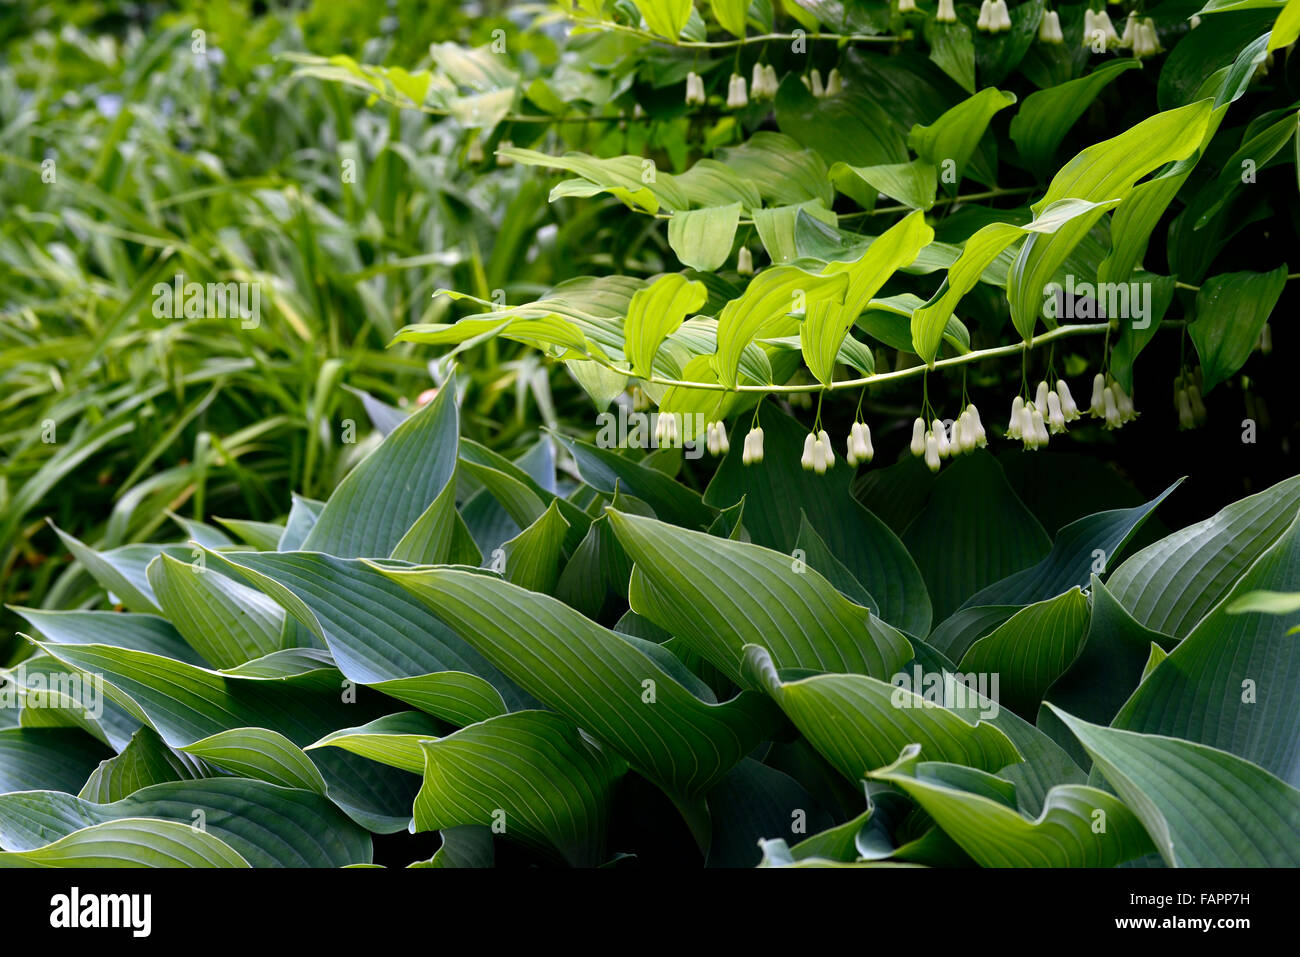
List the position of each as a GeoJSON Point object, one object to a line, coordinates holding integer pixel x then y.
{"type": "Point", "coordinates": [934, 443]}
{"type": "Point", "coordinates": [1035, 421]}
{"type": "Point", "coordinates": [737, 98]}
{"type": "Point", "coordinates": [695, 95]}
{"type": "Point", "coordinates": [716, 438]}
{"type": "Point", "coordinates": [1111, 402]}
{"type": "Point", "coordinates": [1187, 400]}
{"type": "Point", "coordinates": [1094, 23]}
{"type": "Point", "coordinates": [818, 456]}
{"type": "Point", "coordinates": [994, 17]}
{"type": "Point", "coordinates": [752, 453]}
{"type": "Point", "coordinates": [763, 84]}
{"type": "Point", "coordinates": [813, 81]}
{"type": "Point", "coordinates": [946, 13]}
{"type": "Point", "coordinates": [906, 6]}
{"type": "Point", "coordinates": [860, 450]}
{"type": "Point", "coordinates": [1140, 36]}
{"type": "Point", "coordinates": [1049, 28]}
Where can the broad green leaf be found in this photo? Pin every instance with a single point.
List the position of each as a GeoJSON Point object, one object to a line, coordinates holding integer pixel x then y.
{"type": "Point", "coordinates": [948, 142]}
{"type": "Point", "coordinates": [1202, 807]}
{"type": "Point", "coordinates": [380, 499]}
{"type": "Point", "coordinates": [1031, 649]}
{"type": "Point", "coordinates": [121, 571]}
{"type": "Point", "coordinates": [702, 239]}
{"type": "Point", "coordinates": [261, 754]}
{"type": "Point", "coordinates": [1079, 826]}
{"type": "Point", "coordinates": [1231, 310]}
{"type": "Point", "coordinates": [862, 543]}
{"type": "Point", "coordinates": [850, 127]}
{"type": "Point", "coordinates": [530, 773]}
{"type": "Point", "coordinates": [752, 802]}
{"type": "Point", "coordinates": [467, 846]}
{"type": "Point", "coordinates": [709, 183]}
{"type": "Point", "coordinates": [1046, 116]}
{"type": "Point", "coordinates": [1102, 173]}
{"type": "Point", "coordinates": [912, 184]}
{"type": "Point", "coordinates": [1287, 28]}
{"type": "Point", "coordinates": [827, 323]}
{"type": "Point", "coordinates": [665, 17]}
{"type": "Point", "coordinates": [607, 471]}
{"type": "Point", "coordinates": [56, 758]}
{"type": "Point", "coordinates": [532, 558]}
{"type": "Point", "coordinates": [973, 532]}
{"type": "Point", "coordinates": [439, 536]}
{"type": "Point", "coordinates": [394, 740]}
{"type": "Point", "coordinates": [146, 760]}
{"type": "Point", "coordinates": [1267, 602]}
{"type": "Point", "coordinates": [610, 688]}
{"type": "Point", "coordinates": [860, 724]}
{"type": "Point", "coordinates": [121, 629]}
{"type": "Point", "coordinates": [130, 843]}
{"type": "Point", "coordinates": [1172, 584]}
{"type": "Point", "coordinates": [268, 825]}
{"type": "Point", "coordinates": [657, 310]}
{"type": "Point", "coordinates": [767, 597]}
{"type": "Point", "coordinates": [953, 51]}
{"type": "Point", "coordinates": [785, 173]}
{"type": "Point", "coordinates": [1234, 682]}
{"type": "Point", "coordinates": [633, 180]}
{"type": "Point", "coordinates": [777, 226]}
{"type": "Point", "coordinates": [731, 15]}
{"type": "Point", "coordinates": [226, 622]}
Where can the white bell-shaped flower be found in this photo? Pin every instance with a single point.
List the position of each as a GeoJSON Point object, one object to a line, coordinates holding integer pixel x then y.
{"type": "Point", "coordinates": [1198, 407]}
{"type": "Point", "coordinates": [946, 13]}
{"type": "Point", "coordinates": [1184, 406]}
{"type": "Point", "coordinates": [906, 6]}
{"type": "Point", "coordinates": [1068, 407]}
{"type": "Point", "coordinates": [1111, 407]}
{"type": "Point", "coordinates": [1028, 431]}
{"type": "Point", "coordinates": [1130, 31]}
{"type": "Point", "coordinates": [1097, 407]}
{"type": "Point", "coordinates": [737, 99]}
{"type": "Point", "coordinates": [666, 430]}
{"type": "Point", "coordinates": [955, 444]}
{"type": "Point", "coordinates": [1055, 415]}
{"type": "Point", "coordinates": [941, 438]}
{"type": "Point", "coordinates": [1000, 16]}
{"type": "Point", "coordinates": [807, 459]}
{"type": "Point", "coordinates": [1127, 412]}
{"type": "Point", "coordinates": [1049, 28]}
{"type": "Point", "coordinates": [931, 452]}
{"type": "Point", "coordinates": [752, 453]}
{"type": "Point", "coordinates": [745, 261]}
{"type": "Point", "coordinates": [1040, 395]}
{"type": "Point", "coordinates": [980, 437]}
{"type": "Point", "coordinates": [859, 445]}
{"type": "Point", "coordinates": [823, 454]}
{"type": "Point", "coordinates": [984, 23]}
{"type": "Point", "coordinates": [1017, 410]}
{"type": "Point", "coordinates": [918, 437]}
{"type": "Point", "coordinates": [717, 438]}
{"type": "Point", "coordinates": [834, 83]}
{"type": "Point", "coordinates": [695, 95]}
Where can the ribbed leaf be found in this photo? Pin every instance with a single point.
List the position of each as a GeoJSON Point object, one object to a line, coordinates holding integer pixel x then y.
{"type": "Point", "coordinates": [145, 761]}
{"type": "Point", "coordinates": [1046, 116]}
{"type": "Point", "coordinates": [952, 138]}
{"type": "Point", "coordinates": [1231, 310]}
{"type": "Point", "coordinates": [261, 754]}
{"type": "Point", "coordinates": [393, 739]}
{"type": "Point", "coordinates": [121, 629]}
{"type": "Point", "coordinates": [130, 843]}
{"type": "Point", "coordinates": [55, 758]}
{"type": "Point", "coordinates": [702, 239]}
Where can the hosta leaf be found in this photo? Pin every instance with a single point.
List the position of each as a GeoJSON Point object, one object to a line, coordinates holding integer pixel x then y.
{"type": "Point", "coordinates": [657, 310]}
{"type": "Point", "coordinates": [1082, 548]}
{"type": "Point", "coordinates": [1079, 826]}
{"type": "Point", "coordinates": [1172, 584]}
{"type": "Point", "coordinates": [755, 801]}
{"type": "Point", "coordinates": [1234, 682]}
{"type": "Point", "coordinates": [130, 843]}
{"type": "Point", "coordinates": [450, 695]}
{"type": "Point", "coordinates": [973, 532]}
{"type": "Point", "coordinates": [678, 583]}
{"type": "Point", "coordinates": [856, 724]}
{"type": "Point", "coordinates": [56, 758]}
{"type": "Point", "coordinates": [226, 622]}
{"type": "Point", "coordinates": [121, 629]}
{"type": "Point", "coordinates": [393, 739]}
{"type": "Point", "coordinates": [702, 238]}
{"type": "Point", "coordinates": [532, 558]}
{"type": "Point", "coordinates": [121, 571]}
{"type": "Point", "coordinates": [146, 760]}
{"type": "Point", "coordinates": [269, 826]}
{"type": "Point", "coordinates": [862, 543]}
{"type": "Point", "coordinates": [1031, 649]}
{"type": "Point", "coordinates": [303, 516]}
{"type": "Point", "coordinates": [605, 470]}
{"type": "Point", "coordinates": [610, 688]}
{"type": "Point", "coordinates": [531, 774]}
{"type": "Point", "coordinates": [261, 754]}
{"type": "Point", "coordinates": [1046, 116]}
{"type": "Point", "coordinates": [263, 536]}
{"type": "Point", "coordinates": [1100, 174]}
{"type": "Point", "coordinates": [439, 536]}
{"type": "Point", "coordinates": [380, 499]}
{"type": "Point", "coordinates": [467, 846]}
{"type": "Point", "coordinates": [949, 141]}
{"type": "Point", "coordinates": [1230, 312]}
{"type": "Point", "coordinates": [1202, 807]}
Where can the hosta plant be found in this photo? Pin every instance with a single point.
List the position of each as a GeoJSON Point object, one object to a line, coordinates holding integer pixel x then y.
{"type": "Point", "coordinates": [597, 663]}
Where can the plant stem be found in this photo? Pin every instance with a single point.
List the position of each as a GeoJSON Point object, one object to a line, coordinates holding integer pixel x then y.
{"type": "Point", "coordinates": [735, 41]}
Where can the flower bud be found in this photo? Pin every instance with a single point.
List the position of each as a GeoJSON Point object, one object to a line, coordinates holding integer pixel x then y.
{"type": "Point", "coordinates": [1113, 420]}
{"type": "Point", "coordinates": [941, 438]}
{"type": "Point", "coordinates": [1097, 408]}
{"type": "Point", "coordinates": [1068, 408]}
{"type": "Point", "coordinates": [718, 444]}
{"type": "Point", "coordinates": [1124, 403]}
{"type": "Point", "coordinates": [999, 16]}
{"type": "Point", "coordinates": [745, 261]}
{"type": "Point", "coordinates": [1028, 432]}
{"type": "Point", "coordinates": [955, 446]}
{"type": "Point", "coordinates": [981, 439]}
{"type": "Point", "coordinates": [834, 83]}
{"type": "Point", "coordinates": [1185, 418]}
{"type": "Point", "coordinates": [666, 430]}
{"type": "Point", "coordinates": [859, 445]}
{"type": "Point", "coordinates": [1013, 426]}
{"type": "Point", "coordinates": [823, 448]}
{"type": "Point", "coordinates": [906, 6]}
{"type": "Point", "coordinates": [1055, 416]}
{"type": "Point", "coordinates": [918, 437]}
{"type": "Point", "coordinates": [985, 21]}
{"type": "Point", "coordinates": [931, 452]}
{"type": "Point", "coordinates": [807, 460]}
{"type": "Point", "coordinates": [1130, 31]}
{"type": "Point", "coordinates": [1040, 395]}
{"type": "Point", "coordinates": [1198, 407]}
{"type": "Point", "coordinates": [1195, 22]}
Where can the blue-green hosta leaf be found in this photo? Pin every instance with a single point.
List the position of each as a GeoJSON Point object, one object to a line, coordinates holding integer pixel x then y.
{"type": "Point", "coordinates": [393, 739]}
{"type": "Point", "coordinates": [819, 556]}
{"type": "Point", "coordinates": [130, 842]}
{"type": "Point", "coordinates": [1172, 584]}
{"type": "Point", "coordinates": [1079, 826]}
{"type": "Point", "coordinates": [263, 536]}
{"type": "Point", "coordinates": [609, 687]}
{"type": "Point", "coordinates": [530, 776]}
{"type": "Point", "coordinates": [304, 513]}
{"type": "Point", "coordinates": [860, 724]}
{"type": "Point", "coordinates": [827, 322]}
{"type": "Point", "coordinates": [1202, 807]}
{"type": "Point", "coordinates": [380, 499]}
{"type": "Point", "coordinates": [1031, 650]}
{"type": "Point", "coordinates": [755, 801]}
{"type": "Point", "coordinates": [532, 558]}
{"type": "Point", "coordinates": [1234, 682]}
{"type": "Point", "coordinates": [718, 596]}
{"type": "Point", "coordinates": [973, 532]}
{"type": "Point", "coordinates": [605, 470]}
{"type": "Point", "coordinates": [53, 695]}
{"type": "Point", "coordinates": [862, 543]}
{"type": "Point", "coordinates": [259, 753]}
{"type": "Point", "coordinates": [658, 309]}
{"type": "Point", "coordinates": [269, 826]}
{"type": "Point", "coordinates": [949, 141]}
{"type": "Point", "coordinates": [56, 758]}
{"type": "Point", "coordinates": [1231, 310]}
{"type": "Point", "coordinates": [1046, 116]}
{"type": "Point", "coordinates": [146, 760]}
{"type": "Point", "coordinates": [1083, 548]}
{"type": "Point", "coordinates": [466, 846]}
{"type": "Point", "coordinates": [439, 536]}
{"type": "Point", "coordinates": [1102, 173]}
{"type": "Point", "coordinates": [375, 630]}
{"type": "Point", "coordinates": [929, 322]}
{"type": "Point", "coordinates": [226, 622]}
{"type": "Point", "coordinates": [121, 629]}
{"type": "Point", "coordinates": [702, 238]}
{"type": "Point", "coordinates": [764, 308]}
{"type": "Point", "coordinates": [121, 571]}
